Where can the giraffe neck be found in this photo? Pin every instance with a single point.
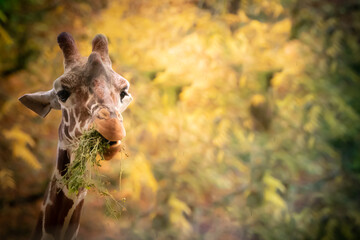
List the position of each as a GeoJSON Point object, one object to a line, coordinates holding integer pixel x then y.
{"type": "Point", "coordinates": [60, 212]}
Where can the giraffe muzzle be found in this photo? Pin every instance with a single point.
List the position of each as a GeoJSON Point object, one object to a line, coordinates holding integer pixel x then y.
{"type": "Point", "coordinates": [112, 129]}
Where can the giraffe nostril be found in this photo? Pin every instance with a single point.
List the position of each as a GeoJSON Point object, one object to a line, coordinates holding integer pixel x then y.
{"type": "Point", "coordinates": [103, 114]}
{"type": "Point", "coordinates": [113, 115]}
{"type": "Point", "coordinates": [106, 114]}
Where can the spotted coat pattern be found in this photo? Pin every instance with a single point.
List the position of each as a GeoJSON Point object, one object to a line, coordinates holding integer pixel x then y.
{"type": "Point", "coordinates": [89, 94]}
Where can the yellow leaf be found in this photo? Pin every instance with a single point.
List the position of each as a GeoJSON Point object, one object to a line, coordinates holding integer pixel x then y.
{"type": "Point", "coordinates": [19, 142]}
{"type": "Point", "coordinates": [21, 151]}
{"type": "Point", "coordinates": [16, 134]}
{"type": "Point", "coordinates": [251, 137]}
{"type": "Point", "coordinates": [311, 142]}
{"type": "Point", "coordinates": [274, 198]}
{"type": "Point", "coordinates": [282, 26]}
{"type": "Point", "coordinates": [178, 208]}
{"type": "Point", "coordinates": [240, 166]}
{"type": "Point", "coordinates": [257, 99]}
{"type": "Point", "coordinates": [220, 157]}
{"type": "Point", "coordinates": [243, 81]}
{"type": "Point", "coordinates": [270, 193]}
{"type": "Point", "coordinates": [4, 34]}
{"type": "Point", "coordinates": [273, 183]}
{"type": "Point", "coordinates": [7, 179]}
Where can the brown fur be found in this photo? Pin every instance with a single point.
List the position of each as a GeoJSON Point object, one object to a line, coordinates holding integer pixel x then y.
{"type": "Point", "coordinates": [74, 221]}
{"type": "Point", "coordinates": [38, 229]}
{"type": "Point", "coordinates": [55, 214]}
{"type": "Point", "coordinates": [62, 161]}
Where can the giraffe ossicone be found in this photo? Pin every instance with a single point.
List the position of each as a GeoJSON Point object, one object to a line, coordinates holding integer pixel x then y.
{"type": "Point", "coordinates": [89, 94]}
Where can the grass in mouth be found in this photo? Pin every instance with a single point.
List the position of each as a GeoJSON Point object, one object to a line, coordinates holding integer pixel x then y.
{"type": "Point", "coordinates": [82, 172]}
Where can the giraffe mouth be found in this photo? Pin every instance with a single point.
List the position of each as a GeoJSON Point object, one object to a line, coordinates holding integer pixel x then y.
{"type": "Point", "coordinates": [111, 143]}
{"type": "Point", "coordinates": [114, 148]}
{"type": "Point", "coordinates": [112, 130]}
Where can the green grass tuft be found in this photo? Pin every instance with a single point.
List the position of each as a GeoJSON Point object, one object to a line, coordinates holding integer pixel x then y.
{"type": "Point", "coordinates": [83, 173]}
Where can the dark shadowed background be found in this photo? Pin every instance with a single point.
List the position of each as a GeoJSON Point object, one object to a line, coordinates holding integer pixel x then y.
{"type": "Point", "coordinates": [244, 125]}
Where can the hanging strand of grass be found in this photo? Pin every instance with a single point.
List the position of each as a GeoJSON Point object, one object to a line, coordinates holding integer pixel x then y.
{"type": "Point", "coordinates": [114, 208]}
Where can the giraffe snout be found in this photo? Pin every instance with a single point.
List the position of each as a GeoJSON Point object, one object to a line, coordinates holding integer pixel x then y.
{"type": "Point", "coordinates": [109, 125]}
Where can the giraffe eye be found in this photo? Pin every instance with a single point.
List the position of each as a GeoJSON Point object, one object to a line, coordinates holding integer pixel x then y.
{"type": "Point", "coordinates": [63, 95]}
{"type": "Point", "coordinates": [122, 95]}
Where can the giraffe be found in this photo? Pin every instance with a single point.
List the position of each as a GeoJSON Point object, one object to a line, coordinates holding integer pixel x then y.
{"type": "Point", "coordinates": [89, 94]}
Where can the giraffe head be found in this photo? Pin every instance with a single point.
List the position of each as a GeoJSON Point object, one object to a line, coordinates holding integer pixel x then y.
{"type": "Point", "coordinates": [89, 93]}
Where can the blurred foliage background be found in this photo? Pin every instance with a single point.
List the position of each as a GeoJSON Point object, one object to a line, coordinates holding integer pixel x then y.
{"type": "Point", "coordinates": [244, 125]}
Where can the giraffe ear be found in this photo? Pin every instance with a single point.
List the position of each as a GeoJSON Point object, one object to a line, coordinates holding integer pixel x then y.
{"type": "Point", "coordinates": [41, 102]}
